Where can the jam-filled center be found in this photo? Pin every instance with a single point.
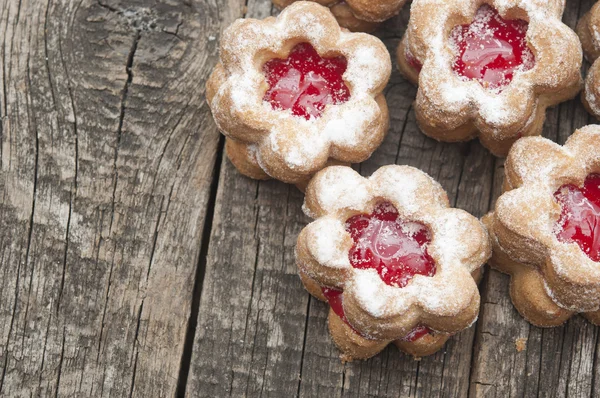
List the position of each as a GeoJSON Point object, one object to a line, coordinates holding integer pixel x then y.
{"type": "Point", "coordinates": [580, 217]}
{"type": "Point", "coordinates": [396, 249]}
{"type": "Point", "coordinates": [491, 49]}
{"type": "Point", "coordinates": [305, 82]}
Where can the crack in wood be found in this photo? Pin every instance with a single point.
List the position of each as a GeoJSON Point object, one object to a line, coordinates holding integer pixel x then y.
{"type": "Point", "coordinates": [136, 348]}
{"type": "Point", "coordinates": [29, 236]}
{"type": "Point", "coordinates": [4, 114]}
{"type": "Point", "coordinates": [60, 363]}
{"type": "Point", "coordinates": [44, 351]}
{"type": "Point", "coordinates": [129, 70]}
{"type": "Point", "coordinates": [389, 374]}
{"type": "Point", "coordinates": [304, 348]}
{"type": "Point", "coordinates": [190, 334]}
{"type": "Point", "coordinates": [594, 364]}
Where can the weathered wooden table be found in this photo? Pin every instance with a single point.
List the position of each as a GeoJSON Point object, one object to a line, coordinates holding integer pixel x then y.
{"type": "Point", "coordinates": [135, 260]}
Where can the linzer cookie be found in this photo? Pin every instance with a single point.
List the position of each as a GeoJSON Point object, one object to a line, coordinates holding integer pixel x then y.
{"type": "Point", "coordinates": [392, 259]}
{"type": "Point", "coordinates": [357, 15]}
{"type": "Point", "coordinates": [546, 227]}
{"type": "Point", "coordinates": [588, 30]}
{"type": "Point", "coordinates": [488, 68]}
{"type": "Point", "coordinates": [295, 93]}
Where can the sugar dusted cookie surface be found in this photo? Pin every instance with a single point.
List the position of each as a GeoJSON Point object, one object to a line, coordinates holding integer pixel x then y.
{"type": "Point", "coordinates": [588, 29]}
{"type": "Point", "coordinates": [393, 260]}
{"type": "Point", "coordinates": [545, 227]}
{"type": "Point", "coordinates": [488, 69]}
{"type": "Point", "coordinates": [295, 93]}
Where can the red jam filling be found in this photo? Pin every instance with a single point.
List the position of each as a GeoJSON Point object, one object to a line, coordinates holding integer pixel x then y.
{"type": "Point", "coordinates": [491, 49]}
{"type": "Point", "coordinates": [334, 298]}
{"type": "Point", "coordinates": [580, 217]}
{"type": "Point", "coordinates": [396, 249]}
{"type": "Point", "coordinates": [417, 333]}
{"type": "Point", "coordinates": [413, 61]}
{"type": "Point", "coordinates": [305, 82]}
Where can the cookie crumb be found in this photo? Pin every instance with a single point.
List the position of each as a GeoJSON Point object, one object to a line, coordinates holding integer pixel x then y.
{"type": "Point", "coordinates": [521, 344]}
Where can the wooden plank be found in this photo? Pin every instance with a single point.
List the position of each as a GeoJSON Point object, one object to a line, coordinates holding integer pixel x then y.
{"type": "Point", "coordinates": [260, 334]}
{"type": "Point", "coordinates": [251, 325]}
{"type": "Point", "coordinates": [107, 157]}
{"type": "Point", "coordinates": [557, 362]}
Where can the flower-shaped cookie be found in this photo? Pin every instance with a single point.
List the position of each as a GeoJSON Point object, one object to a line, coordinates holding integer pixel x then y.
{"type": "Point", "coordinates": [546, 227]}
{"type": "Point", "coordinates": [392, 258]}
{"type": "Point", "coordinates": [489, 68]}
{"type": "Point", "coordinates": [588, 30]}
{"type": "Point", "coordinates": [297, 92]}
{"type": "Point", "coordinates": [357, 15]}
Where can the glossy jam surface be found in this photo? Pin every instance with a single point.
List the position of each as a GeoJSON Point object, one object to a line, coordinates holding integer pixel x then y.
{"type": "Point", "coordinates": [491, 49]}
{"type": "Point", "coordinates": [397, 249]}
{"type": "Point", "coordinates": [305, 82]}
{"type": "Point", "coordinates": [413, 61]}
{"type": "Point", "coordinates": [335, 299]}
{"type": "Point", "coordinates": [580, 218]}
{"type": "Point", "coordinates": [417, 333]}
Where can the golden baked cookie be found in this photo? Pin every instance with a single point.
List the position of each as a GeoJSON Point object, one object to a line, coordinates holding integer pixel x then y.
{"type": "Point", "coordinates": [588, 30]}
{"type": "Point", "coordinates": [357, 15]}
{"type": "Point", "coordinates": [545, 227]}
{"type": "Point", "coordinates": [488, 69]}
{"type": "Point", "coordinates": [295, 93]}
{"type": "Point", "coordinates": [394, 261]}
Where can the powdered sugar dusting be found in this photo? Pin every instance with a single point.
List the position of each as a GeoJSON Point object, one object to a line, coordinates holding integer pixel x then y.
{"type": "Point", "coordinates": [342, 188]}
{"type": "Point", "coordinates": [371, 293]}
{"type": "Point", "coordinates": [530, 212]}
{"type": "Point", "coordinates": [458, 245]}
{"type": "Point", "coordinates": [454, 95]}
{"type": "Point", "coordinates": [366, 63]}
{"type": "Point", "coordinates": [328, 243]}
{"type": "Point", "coordinates": [407, 188]}
{"type": "Point", "coordinates": [453, 231]}
{"type": "Point", "coordinates": [591, 92]}
{"type": "Point", "coordinates": [347, 126]}
{"type": "Point", "coordinates": [400, 189]}
{"type": "Point", "coordinates": [442, 89]}
{"type": "Point", "coordinates": [354, 128]}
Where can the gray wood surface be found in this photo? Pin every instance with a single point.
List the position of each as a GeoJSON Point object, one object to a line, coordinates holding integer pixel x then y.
{"type": "Point", "coordinates": [136, 261]}
{"type": "Point", "coordinates": [108, 152]}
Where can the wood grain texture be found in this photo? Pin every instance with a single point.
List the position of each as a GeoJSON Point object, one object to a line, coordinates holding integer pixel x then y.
{"type": "Point", "coordinates": [260, 334]}
{"type": "Point", "coordinates": [252, 316]}
{"type": "Point", "coordinates": [107, 155]}
{"type": "Point", "coordinates": [109, 158]}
